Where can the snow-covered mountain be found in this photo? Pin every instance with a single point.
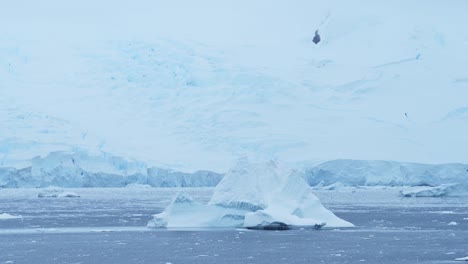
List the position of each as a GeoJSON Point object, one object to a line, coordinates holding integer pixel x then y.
{"type": "Point", "coordinates": [194, 84]}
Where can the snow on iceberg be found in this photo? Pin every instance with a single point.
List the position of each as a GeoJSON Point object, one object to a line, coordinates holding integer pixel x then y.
{"type": "Point", "coordinates": [252, 195]}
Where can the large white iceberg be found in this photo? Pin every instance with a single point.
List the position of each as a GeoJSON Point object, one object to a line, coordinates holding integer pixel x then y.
{"type": "Point", "coordinates": [252, 195]}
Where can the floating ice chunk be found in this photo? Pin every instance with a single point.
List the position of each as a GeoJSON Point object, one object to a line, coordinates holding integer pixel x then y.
{"type": "Point", "coordinates": [452, 223]}
{"type": "Point", "coordinates": [68, 195]}
{"type": "Point", "coordinates": [138, 186]}
{"type": "Point", "coordinates": [259, 195]}
{"type": "Point", "coordinates": [55, 192]}
{"type": "Point", "coordinates": [446, 212]}
{"type": "Point", "coordinates": [50, 192]}
{"type": "Point", "coordinates": [333, 186]}
{"type": "Point", "coordinates": [6, 216]}
{"type": "Point", "coordinates": [462, 259]}
{"type": "Point", "coordinates": [428, 191]}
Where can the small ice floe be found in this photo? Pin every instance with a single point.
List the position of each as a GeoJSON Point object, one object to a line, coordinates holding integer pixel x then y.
{"type": "Point", "coordinates": [55, 192]}
{"type": "Point", "coordinates": [446, 212]}
{"type": "Point", "coordinates": [429, 191]}
{"type": "Point", "coordinates": [452, 223]}
{"type": "Point", "coordinates": [462, 259]}
{"type": "Point", "coordinates": [334, 186]}
{"type": "Point", "coordinates": [138, 186]}
{"type": "Point", "coordinates": [6, 216]}
{"type": "Point", "coordinates": [69, 195]}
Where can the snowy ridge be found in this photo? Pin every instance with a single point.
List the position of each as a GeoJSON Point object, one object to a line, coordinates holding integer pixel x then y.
{"type": "Point", "coordinates": [385, 173]}
{"type": "Point", "coordinates": [80, 169]}
{"type": "Point", "coordinates": [235, 81]}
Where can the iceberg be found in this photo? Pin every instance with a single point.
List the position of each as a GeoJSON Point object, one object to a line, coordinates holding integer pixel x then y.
{"type": "Point", "coordinates": [56, 192]}
{"type": "Point", "coordinates": [437, 191]}
{"type": "Point", "coordinates": [252, 195]}
{"type": "Point", "coordinates": [5, 216]}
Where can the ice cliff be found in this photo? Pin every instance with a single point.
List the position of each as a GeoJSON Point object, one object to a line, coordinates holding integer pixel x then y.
{"type": "Point", "coordinates": [80, 169]}
{"type": "Point", "coordinates": [385, 173]}
{"type": "Point", "coordinates": [83, 169]}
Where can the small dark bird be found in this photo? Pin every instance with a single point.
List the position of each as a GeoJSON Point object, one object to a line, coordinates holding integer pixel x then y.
{"type": "Point", "coordinates": [316, 38]}
{"type": "Point", "coordinates": [406, 114]}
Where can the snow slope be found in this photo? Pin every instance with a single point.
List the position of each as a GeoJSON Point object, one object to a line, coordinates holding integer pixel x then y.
{"type": "Point", "coordinates": [252, 195]}
{"type": "Point", "coordinates": [195, 84]}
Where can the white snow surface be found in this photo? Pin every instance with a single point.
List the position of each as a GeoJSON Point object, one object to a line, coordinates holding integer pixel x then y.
{"type": "Point", "coordinates": [196, 84]}
{"type": "Point", "coordinates": [251, 195]}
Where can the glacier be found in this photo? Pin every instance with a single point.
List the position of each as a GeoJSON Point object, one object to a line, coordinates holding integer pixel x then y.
{"type": "Point", "coordinates": [82, 169]}
{"type": "Point", "coordinates": [252, 195]}
{"type": "Point", "coordinates": [385, 173]}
